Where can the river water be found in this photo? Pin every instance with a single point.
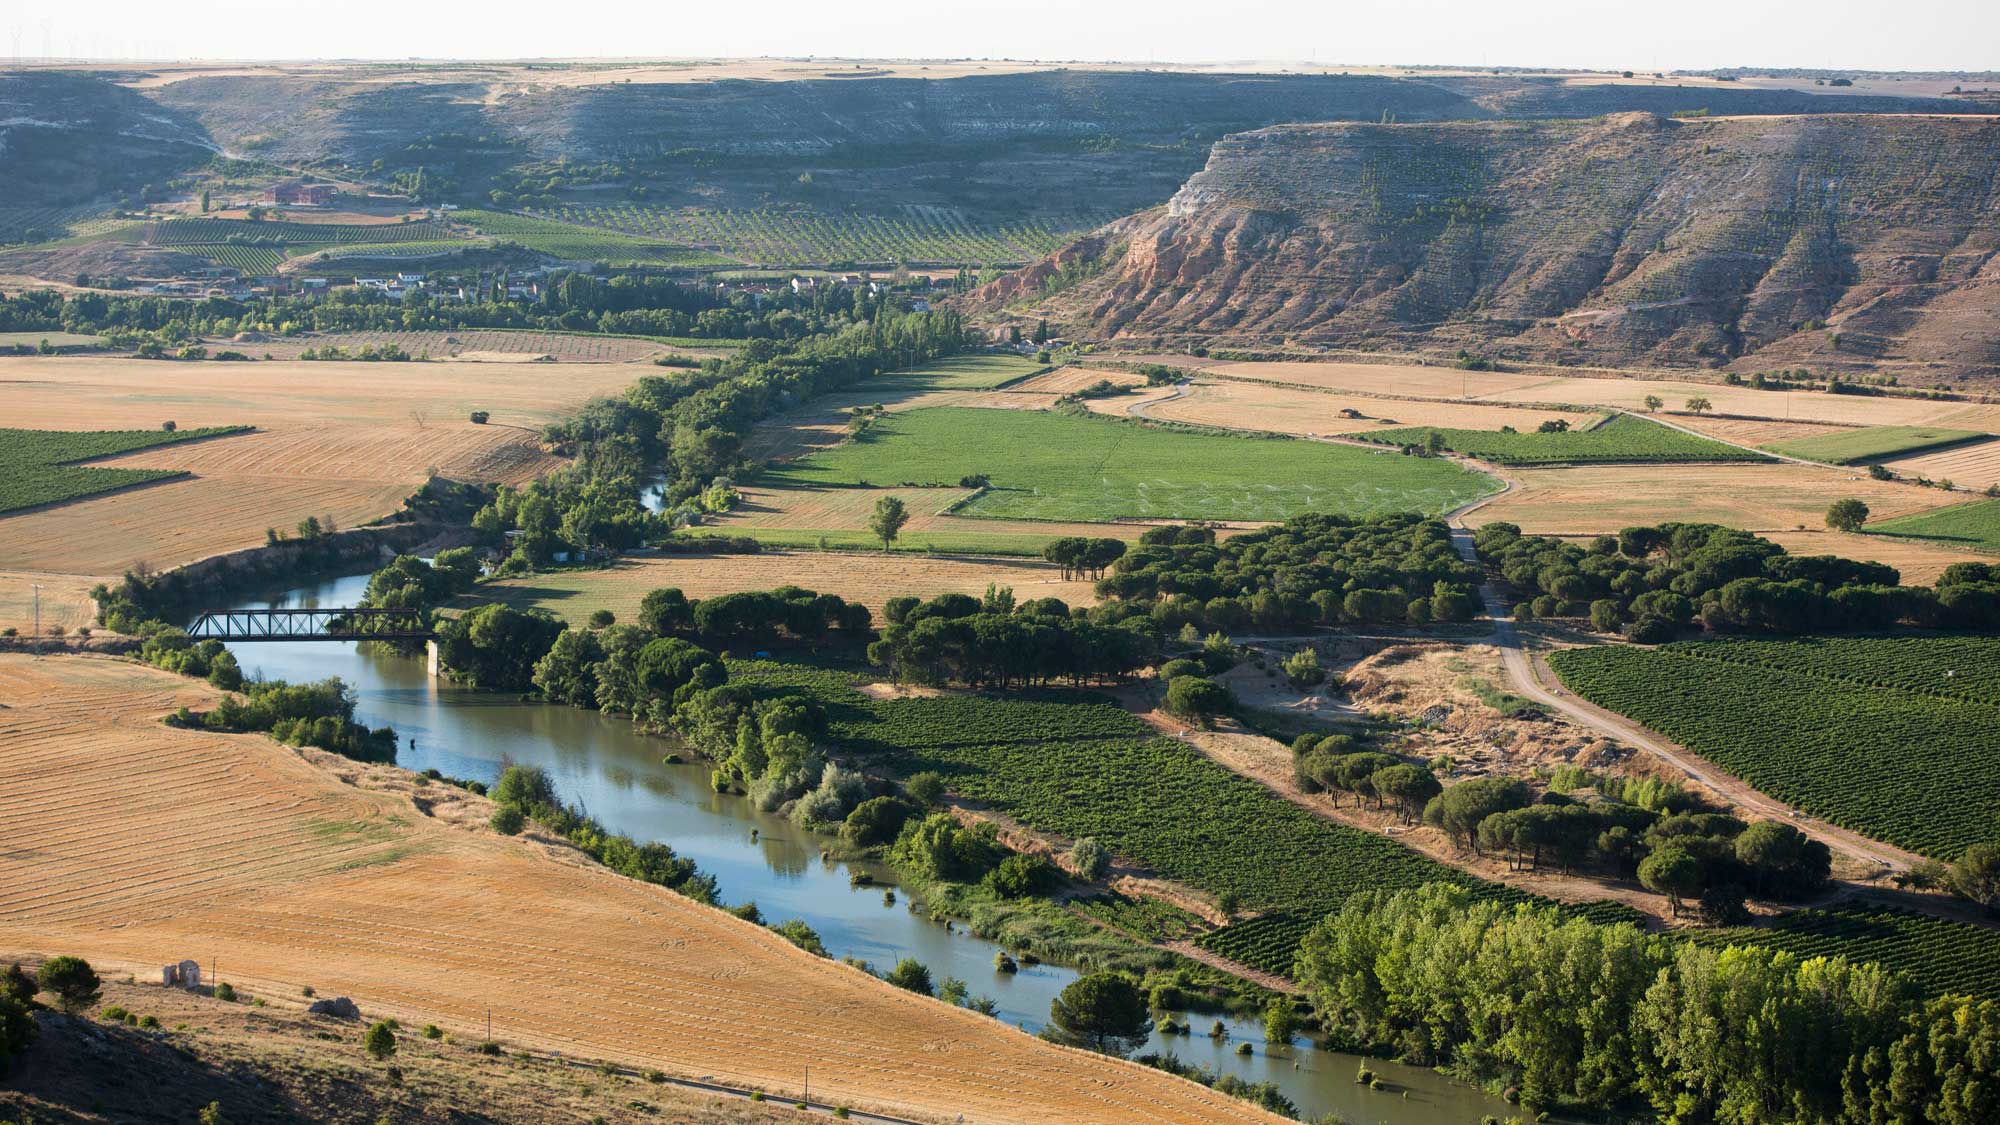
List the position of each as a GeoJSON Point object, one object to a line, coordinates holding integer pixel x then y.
{"type": "Point", "coordinates": [618, 776]}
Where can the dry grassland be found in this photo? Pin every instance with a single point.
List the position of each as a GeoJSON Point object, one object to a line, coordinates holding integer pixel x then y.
{"type": "Point", "coordinates": [1595, 499]}
{"type": "Point", "coordinates": [1379, 378]}
{"type": "Point", "coordinates": [1967, 466]}
{"type": "Point", "coordinates": [870, 579]}
{"type": "Point", "coordinates": [1063, 380]}
{"type": "Point", "coordinates": [1287, 410]}
{"type": "Point", "coordinates": [133, 844]}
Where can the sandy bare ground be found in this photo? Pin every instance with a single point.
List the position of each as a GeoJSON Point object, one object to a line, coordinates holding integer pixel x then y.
{"type": "Point", "coordinates": [1288, 410]}
{"type": "Point", "coordinates": [870, 579]}
{"type": "Point", "coordinates": [133, 844]}
{"type": "Point", "coordinates": [1594, 499]}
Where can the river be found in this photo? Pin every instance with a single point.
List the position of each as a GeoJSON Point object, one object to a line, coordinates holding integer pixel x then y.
{"type": "Point", "coordinates": [619, 776]}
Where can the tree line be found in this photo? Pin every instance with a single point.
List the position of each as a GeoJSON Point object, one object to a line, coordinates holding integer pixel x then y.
{"type": "Point", "coordinates": [993, 642]}
{"type": "Point", "coordinates": [1653, 583]}
{"type": "Point", "coordinates": [1569, 1013]}
{"type": "Point", "coordinates": [1311, 570]}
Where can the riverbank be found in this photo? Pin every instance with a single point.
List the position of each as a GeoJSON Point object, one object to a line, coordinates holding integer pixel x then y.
{"type": "Point", "coordinates": [288, 868]}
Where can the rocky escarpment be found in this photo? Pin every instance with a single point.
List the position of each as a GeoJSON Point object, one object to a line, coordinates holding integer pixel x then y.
{"type": "Point", "coordinates": [1843, 243]}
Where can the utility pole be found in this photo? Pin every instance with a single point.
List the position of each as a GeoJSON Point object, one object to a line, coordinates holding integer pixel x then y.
{"type": "Point", "coordinates": [809, 1085]}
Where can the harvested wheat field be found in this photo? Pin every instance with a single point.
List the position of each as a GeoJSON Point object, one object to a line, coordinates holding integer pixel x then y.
{"type": "Point", "coordinates": [1975, 466]}
{"type": "Point", "coordinates": [871, 579]}
{"type": "Point", "coordinates": [1380, 378]}
{"type": "Point", "coordinates": [95, 393]}
{"type": "Point", "coordinates": [1064, 380]}
{"type": "Point", "coordinates": [1626, 394]}
{"type": "Point", "coordinates": [65, 600]}
{"type": "Point", "coordinates": [1287, 410]}
{"type": "Point", "coordinates": [344, 440]}
{"type": "Point", "coordinates": [1594, 499]}
{"type": "Point", "coordinates": [133, 844]}
{"type": "Point", "coordinates": [1918, 561]}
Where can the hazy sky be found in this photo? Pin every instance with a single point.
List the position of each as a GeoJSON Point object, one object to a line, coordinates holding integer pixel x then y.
{"type": "Point", "coordinates": [1689, 34]}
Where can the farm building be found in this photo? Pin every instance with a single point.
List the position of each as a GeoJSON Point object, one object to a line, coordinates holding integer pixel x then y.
{"type": "Point", "coordinates": [311, 195]}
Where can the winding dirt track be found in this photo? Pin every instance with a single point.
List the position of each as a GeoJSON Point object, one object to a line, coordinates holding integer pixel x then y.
{"type": "Point", "coordinates": [134, 844]}
{"type": "Point", "coordinates": [1523, 673]}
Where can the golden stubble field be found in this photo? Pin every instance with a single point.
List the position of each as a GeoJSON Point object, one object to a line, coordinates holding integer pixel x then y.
{"type": "Point", "coordinates": [1588, 500]}
{"type": "Point", "coordinates": [871, 579]}
{"type": "Point", "coordinates": [133, 844]}
{"type": "Point", "coordinates": [1624, 393]}
{"type": "Point", "coordinates": [1287, 410]}
{"type": "Point", "coordinates": [343, 440]}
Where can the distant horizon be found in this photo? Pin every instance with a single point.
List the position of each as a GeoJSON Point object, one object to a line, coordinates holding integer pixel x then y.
{"type": "Point", "coordinates": [1926, 37]}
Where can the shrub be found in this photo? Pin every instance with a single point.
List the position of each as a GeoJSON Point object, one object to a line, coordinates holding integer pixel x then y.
{"type": "Point", "coordinates": [168, 426]}
{"type": "Point", "coordinates": [926, 788]}
{"type": "Point", "coordinates": [489, 1048]}
{"type": "Point", "coordinates": [603, 619]}
{"type": "Point", "coordinates": [911, 975]}
{"type": "Point", "coordinates": [479, 417]}
{"type": "Point", "coordinates": [433, 1031]}
{"type": "Point", "coordinates": [875, 821]}
{"type": "Point", "coordinates": [1089, 859]}
{"type": "Point", "coordinates": [1019, 876]}
{"type": "Point", "coordinates": [225, 992]}
{"type": "Point", "coordinates": [114, 1014]}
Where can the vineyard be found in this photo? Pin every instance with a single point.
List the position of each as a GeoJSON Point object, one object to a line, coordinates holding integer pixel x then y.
{"type": "Point", "coordinates": [1067, 762]}
{"type": "Point", "coordinates": [38, 466]}
{"type": "Point", "coordinates": [913, 234]}
{"type": "Point", "coordinates": [1623, 438]}
{"type": "Point", "coordinates": [1939, 955]}
{"type": "Point", "coordinates": [247, 259]}
{"type": "Point", "coordinates": [1849, 447]}
{"type": "Point", "coordinates": [42, 224]}
{"type": "Point", "coordinates": [581, 243]}
{"type": "Point", "coordinates": [204, 232]}
{"type": "Point", "coordinates": [1975, 525]}
{"type": "Point", "coordinates": [1057, 467]}
{"type": "Point", "coordinates": [1268, 942]}
{"type": "Point", "coordinates": [1895, 737]}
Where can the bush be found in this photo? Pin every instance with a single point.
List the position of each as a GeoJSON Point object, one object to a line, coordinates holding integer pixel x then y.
{"type": "Point", "coordinates": [433, 1031]}
{"type": "Point", "coordinates": [875, 821]}
{"type": "Point", "coordinates": [225, 992]}
{"type": "Point", "coordinates": [1089, 859]}
{"type": "Point", "coordinates": [1019, 876]}
{"type": "Point", "coordinates": [479, 417]}
{"type": "Point", "coordinates": [507, 820]}
{"type": "Point", "coordinates": [911, 975]}
{"type": "Point", "coordinates": [381, 1041]}
{"type": "Point", "coordinates": [603, 619]}
{"type": "Point", "coordinates": [926, 788]}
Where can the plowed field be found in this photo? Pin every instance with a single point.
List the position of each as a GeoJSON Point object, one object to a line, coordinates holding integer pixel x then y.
{"type": "Point", "coordinates": [1590, 500]}
{"type": "Point", "coordinates": [132, 844]}
{"type": "Point", "coordinates": [1967, 466]}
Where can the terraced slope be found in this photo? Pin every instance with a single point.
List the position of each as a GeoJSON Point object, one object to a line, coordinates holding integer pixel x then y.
{"type": "Point", "coordinates": [1632, 239]}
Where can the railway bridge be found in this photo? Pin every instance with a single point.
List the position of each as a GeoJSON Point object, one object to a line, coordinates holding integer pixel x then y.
{"type": "Point", "coordinates": [321, 624]}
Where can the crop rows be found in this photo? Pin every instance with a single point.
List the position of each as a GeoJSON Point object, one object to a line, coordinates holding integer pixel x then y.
{"type": "Point", "coordinates": [1895, 737]}
{"type": "Point", "coordinates": [1269, 942]}
{"type": "Point", "coordinates": [1975, 525]}
{"type": "Point", "coordinates": [1624, 438]}
{"type": "Point", "coordinates": [1146, 918]}
{"type": "Point", "coordinates": [1940, 955]}
{"type": "Point", "coordinates": [36, 466]}
{"type": "Point", "coordinates": [583, 243]}
{"type": "Point", "coordinates": [1848, 447]}
{"type": "Point", "coordinates": [197, 232]}
{"type": "Point", "coordinates": [47, 222]}
{"type": "Point", "coordinates": [915, 234]}
{"type": "Point", "coordinates": [247, 259]}
{"type": "Point", "coordinates": [394, 250]}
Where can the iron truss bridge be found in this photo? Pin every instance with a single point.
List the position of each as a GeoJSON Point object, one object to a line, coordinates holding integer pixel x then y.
{"type": "Point", "coordinates": [334, 624]}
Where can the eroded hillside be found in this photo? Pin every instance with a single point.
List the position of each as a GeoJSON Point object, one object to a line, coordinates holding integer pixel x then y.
{"type": "Point", "coordinates": [1842, 243]}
